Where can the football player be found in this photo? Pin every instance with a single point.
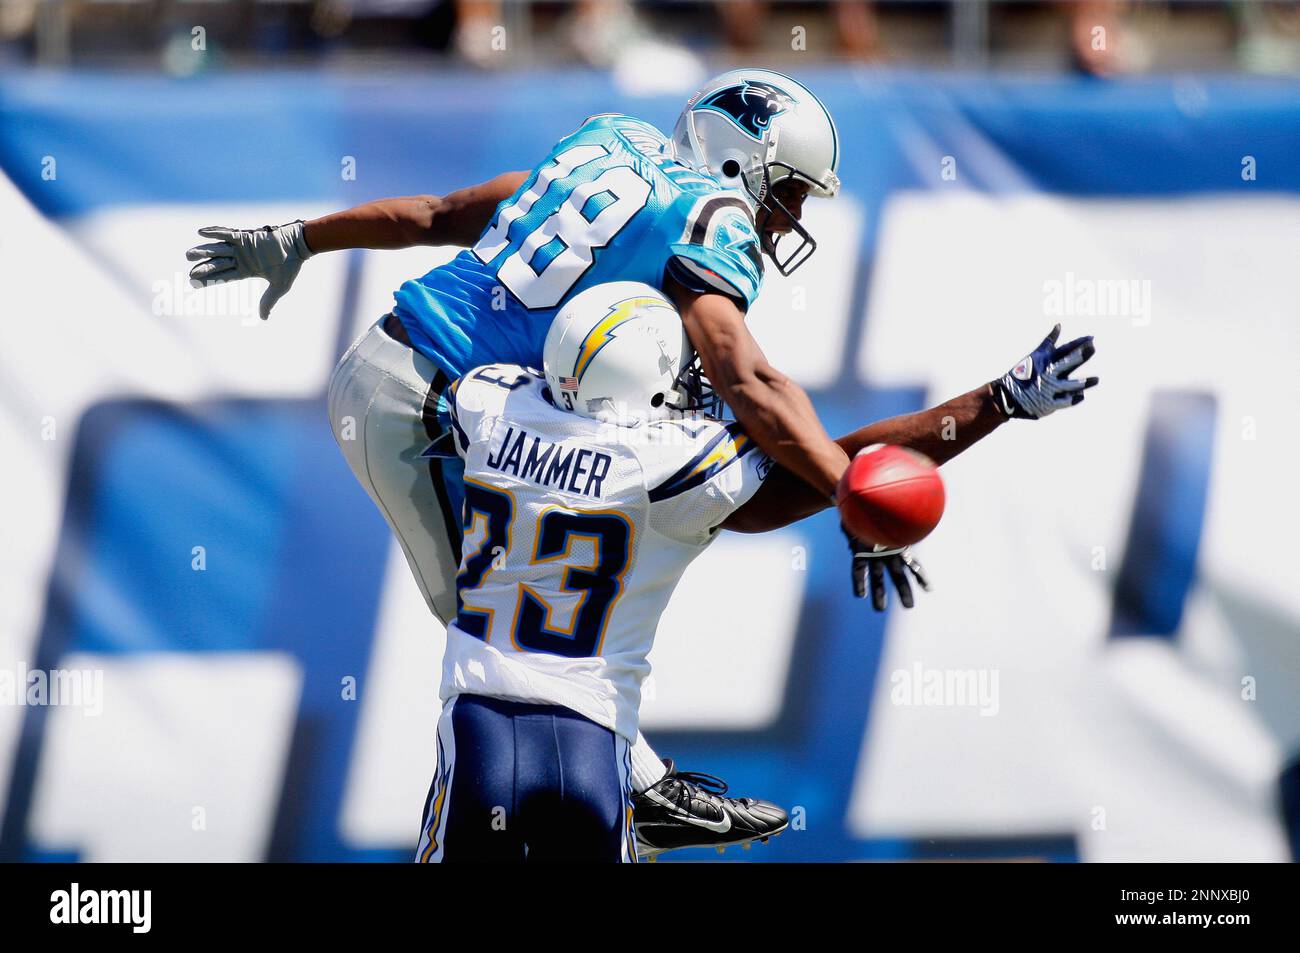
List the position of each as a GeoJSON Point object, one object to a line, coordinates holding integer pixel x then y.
{"type": "Point", "coordinates": [615, 200]}
{"type": "Point", "coordinates": [588, 491]}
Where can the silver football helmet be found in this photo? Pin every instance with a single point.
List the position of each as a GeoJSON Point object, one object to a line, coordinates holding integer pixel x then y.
{"type": "Point", "coordinates": [753, 129]}
{"type": "Point", "coordinates": [618, 353]}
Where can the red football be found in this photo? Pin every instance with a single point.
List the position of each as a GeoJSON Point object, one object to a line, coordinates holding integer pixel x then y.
{"type": "Point", "coordinates": [890, 495]}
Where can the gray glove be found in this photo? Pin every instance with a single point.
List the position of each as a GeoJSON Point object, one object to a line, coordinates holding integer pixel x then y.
{"type": "Point", "coordinates": [273, 252]}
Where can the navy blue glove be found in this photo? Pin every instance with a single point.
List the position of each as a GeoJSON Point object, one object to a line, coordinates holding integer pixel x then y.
{"type": "Point", "coordinates": [1040, 384]}
{"type": "Point", "coordinates": [870, 563]}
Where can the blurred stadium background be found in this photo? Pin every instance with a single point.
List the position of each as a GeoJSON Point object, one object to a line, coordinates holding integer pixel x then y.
{"type": "Point", "coordinates": [1120, 580]}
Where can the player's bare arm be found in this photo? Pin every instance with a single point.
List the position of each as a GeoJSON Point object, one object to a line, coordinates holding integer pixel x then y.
{"type": "Point", "coordinates": [774, 410]}
{"type": "Point", "coordinates": [1036, 386]}
{"type": "Point", "coordinates": [457, 218]}
{"type": "Point", "coordinates": [275, 253]}
{"type": "Point", "coordinates": [941, 433]}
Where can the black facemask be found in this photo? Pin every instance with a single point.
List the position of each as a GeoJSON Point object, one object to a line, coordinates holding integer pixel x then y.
{"type": "Point", "coordinates": [767, 201]}
{"type": "Point", "coordinates": [698, 390]}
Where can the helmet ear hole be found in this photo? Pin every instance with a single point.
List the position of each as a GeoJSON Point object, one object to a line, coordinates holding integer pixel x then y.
{"type": "Point", "coordinates": [731, 168]}
{"type": "Point", "coordinates": [657, 400]}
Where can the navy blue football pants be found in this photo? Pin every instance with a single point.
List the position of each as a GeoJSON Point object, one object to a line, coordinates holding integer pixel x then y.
{"type": "Point", "coordinates": [520, 782]}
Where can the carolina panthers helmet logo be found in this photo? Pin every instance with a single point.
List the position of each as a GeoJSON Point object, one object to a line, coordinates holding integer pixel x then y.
{"type": "Point", "coordinates": [751, 105]}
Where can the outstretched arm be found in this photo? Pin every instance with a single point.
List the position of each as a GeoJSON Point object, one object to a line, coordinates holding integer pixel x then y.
{"type": "Point", "coordinates": [940, 433]}
{"type": "Point", "coordinates": [276, 252]}
{"type": "Point", "coordinates": [1039, 384]}
{"type": "Point", "coordinates": [457, 218]}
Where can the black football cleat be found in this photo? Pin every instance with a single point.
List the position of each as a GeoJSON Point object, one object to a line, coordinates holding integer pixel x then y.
{"type": "Point", "coordinates": [689, 809]}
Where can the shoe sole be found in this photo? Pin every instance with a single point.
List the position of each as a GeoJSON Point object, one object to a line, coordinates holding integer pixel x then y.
{"type": "Point", "coordinates": [653, 853]}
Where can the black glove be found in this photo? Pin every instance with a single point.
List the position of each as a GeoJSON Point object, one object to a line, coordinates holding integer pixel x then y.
{"type": "Point", "coordinates": [871, 563]}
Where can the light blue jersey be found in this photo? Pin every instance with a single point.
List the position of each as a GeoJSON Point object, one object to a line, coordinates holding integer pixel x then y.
{"type": "Point", "coordinates": [608, 204]}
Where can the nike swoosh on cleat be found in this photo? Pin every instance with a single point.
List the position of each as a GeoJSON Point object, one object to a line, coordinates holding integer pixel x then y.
{"type": "Point", "coordinates": [718, 827]}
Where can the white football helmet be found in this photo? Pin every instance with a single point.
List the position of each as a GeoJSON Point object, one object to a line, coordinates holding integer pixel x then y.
{"type": "Point", "coordinates": [617, 352]}
{"type": "Point", "coordinates": [754, 128]}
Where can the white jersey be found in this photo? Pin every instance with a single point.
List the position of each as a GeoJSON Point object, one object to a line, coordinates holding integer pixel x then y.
{"type": "Point", "coordinates": [576, 534]}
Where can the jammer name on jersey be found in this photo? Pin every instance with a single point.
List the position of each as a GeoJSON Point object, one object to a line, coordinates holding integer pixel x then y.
{"type": "Point", "coordinates": [555, 466]}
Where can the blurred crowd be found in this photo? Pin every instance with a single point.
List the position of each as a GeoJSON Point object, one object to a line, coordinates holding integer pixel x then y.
{"type": "Point", "coordinates": [1098, 37]}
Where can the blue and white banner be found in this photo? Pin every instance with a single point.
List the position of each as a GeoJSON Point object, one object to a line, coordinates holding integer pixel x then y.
{"type": "Point", "coordinates": [210, 647]}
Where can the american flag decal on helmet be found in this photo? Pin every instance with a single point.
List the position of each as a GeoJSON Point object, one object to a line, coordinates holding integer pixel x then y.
{"type": "Point", "coordinates": [568, 383]}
